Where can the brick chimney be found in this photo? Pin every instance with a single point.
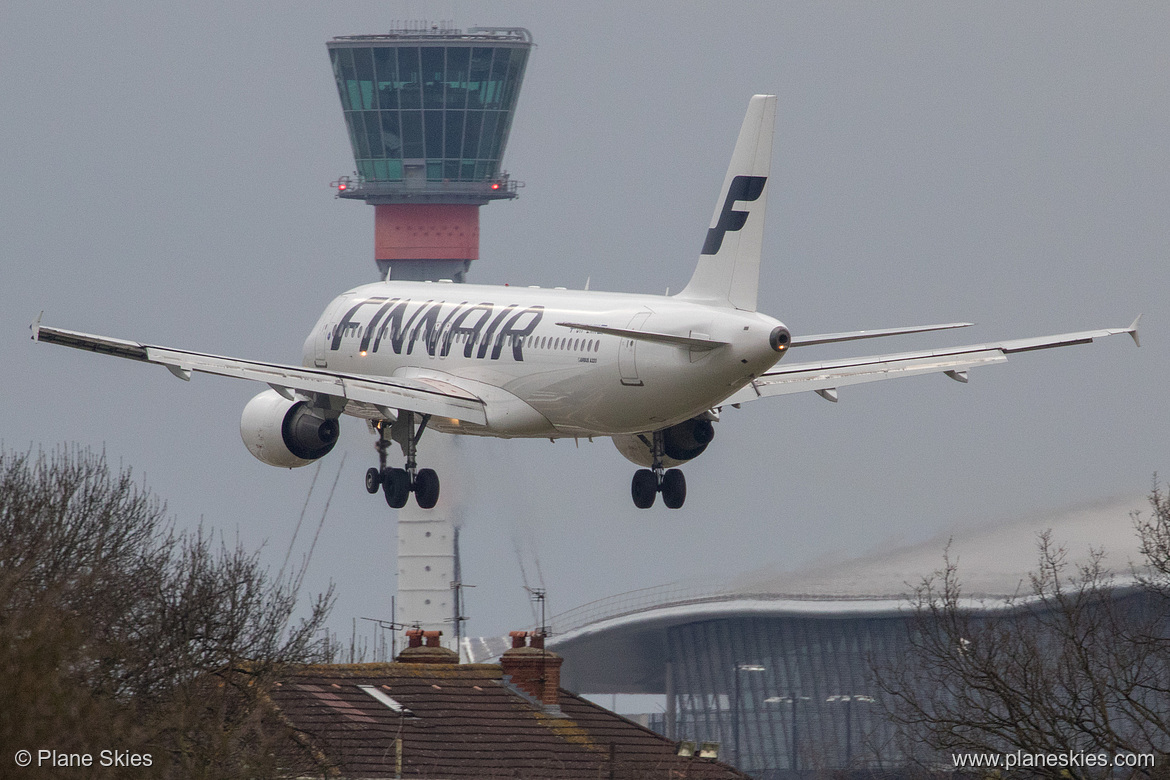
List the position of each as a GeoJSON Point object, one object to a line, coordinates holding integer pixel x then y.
{"type": "Point", "coordinates": [431, 653]}
{"type": "Point", "coordinates": [534, 670]}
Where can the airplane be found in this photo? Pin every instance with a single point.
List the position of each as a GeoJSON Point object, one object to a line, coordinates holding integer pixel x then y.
{"type": "Point", "coordinates": [652, 372]}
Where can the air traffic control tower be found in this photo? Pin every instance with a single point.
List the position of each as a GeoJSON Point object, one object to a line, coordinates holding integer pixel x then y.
{"type": "Point", "coordinates": [428, 112]}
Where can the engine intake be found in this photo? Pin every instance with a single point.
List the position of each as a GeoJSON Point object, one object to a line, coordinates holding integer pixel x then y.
{"type": "Point", "coordinates": [285, 433]}
{"type": "Point", "coordinates": [688, 439]}
{"type": "Point", "coordinates": [306, 435]}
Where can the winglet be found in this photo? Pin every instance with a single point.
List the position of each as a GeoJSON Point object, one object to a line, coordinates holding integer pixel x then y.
{"type": "Point", "coordinates": [1132, 330]}
{"type": "Point", "coordinates": [36, 326]}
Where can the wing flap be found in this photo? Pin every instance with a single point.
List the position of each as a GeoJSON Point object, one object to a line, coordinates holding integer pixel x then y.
{"type": "Point", "coordinates": [398, 393]}
{"type": "Point", "coordinates": [813, 377]}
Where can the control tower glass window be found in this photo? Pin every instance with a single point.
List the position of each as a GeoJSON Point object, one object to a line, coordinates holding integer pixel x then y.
{"type": "Point", "coordinates": [439, 111]}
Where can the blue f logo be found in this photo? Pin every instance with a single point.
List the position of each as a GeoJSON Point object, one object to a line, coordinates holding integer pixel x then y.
{"type": "Point", "coordinates": [743, 188]}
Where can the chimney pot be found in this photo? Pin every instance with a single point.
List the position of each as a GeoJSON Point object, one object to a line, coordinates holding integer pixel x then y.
{"type": "Point", "coordinates": [432, 653]}
{"type": "Point", "coordinates": [537, 640]}
{"type": "Point", "coordinates": [518, 638]}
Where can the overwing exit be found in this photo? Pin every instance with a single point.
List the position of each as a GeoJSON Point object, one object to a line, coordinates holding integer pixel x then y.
{"type": "Point", "coordinates": [651, 372]}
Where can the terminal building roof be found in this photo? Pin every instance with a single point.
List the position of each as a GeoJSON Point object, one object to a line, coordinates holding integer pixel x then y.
{"type": "Point", "coordinates": [614, 643]}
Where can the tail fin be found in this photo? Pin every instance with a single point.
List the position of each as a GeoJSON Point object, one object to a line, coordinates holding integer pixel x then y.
{"type": "Point", "coordinates": [728, 273]}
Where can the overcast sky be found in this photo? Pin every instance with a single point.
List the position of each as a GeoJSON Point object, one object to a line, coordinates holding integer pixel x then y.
{"type": "Point", "coordinates": [166, 174]}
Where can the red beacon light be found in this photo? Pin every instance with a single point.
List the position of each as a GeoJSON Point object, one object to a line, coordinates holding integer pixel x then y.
{"type": "Point", "coordinates": [341, 186]}
{"type": "Point", "coordinates": [495, 185]}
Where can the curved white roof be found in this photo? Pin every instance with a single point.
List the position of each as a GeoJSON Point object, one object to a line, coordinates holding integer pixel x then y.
{"type": "Point", "coordinates": [623, 637]}
{"type": "Point", "coordinates": [993, 560]}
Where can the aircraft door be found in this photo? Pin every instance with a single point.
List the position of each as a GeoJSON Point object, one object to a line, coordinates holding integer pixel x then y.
{"type": "Point", "coordinates": [627, 353]}
{"type": "Point", "coordinates": [319, 359]}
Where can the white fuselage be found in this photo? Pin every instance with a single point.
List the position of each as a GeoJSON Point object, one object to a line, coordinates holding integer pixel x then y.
{"type": "Point", "coordinates": [538, 378]}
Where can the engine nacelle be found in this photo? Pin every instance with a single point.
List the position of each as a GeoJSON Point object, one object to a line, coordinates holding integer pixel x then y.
{"type": "Point", "coordinates": [682, 442]}
{"type": "Point", "coordinates": [286, 433]}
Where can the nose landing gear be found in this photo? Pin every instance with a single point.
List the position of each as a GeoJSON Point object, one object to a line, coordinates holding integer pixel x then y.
{"type": "Point", "coordinates": [398, 484]}
{"type": "Point", "coordinates": [648, 483]}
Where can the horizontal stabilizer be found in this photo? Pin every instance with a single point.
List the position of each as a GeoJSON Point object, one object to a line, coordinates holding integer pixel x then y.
{"type": "Point", "coordinates": [833, 338]}
{"type": "Point", "coordinates": [645, 335]}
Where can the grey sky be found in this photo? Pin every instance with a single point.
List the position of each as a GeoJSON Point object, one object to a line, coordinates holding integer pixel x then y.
{"type": "Point", "coordinates": [166, 173]}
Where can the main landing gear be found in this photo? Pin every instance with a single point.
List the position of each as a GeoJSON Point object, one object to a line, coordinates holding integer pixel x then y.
{"type": "Point", "coordinates": [648, 483]}
{"type": "Point", "coordinates": [398, 484]}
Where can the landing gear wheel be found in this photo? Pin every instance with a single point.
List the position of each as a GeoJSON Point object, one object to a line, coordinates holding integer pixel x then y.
{"type": "Point", "coordinates": [644, 488]}
{"type": "Point", "coordinates": [373, 480]}
{"type": "Point", "coordinates": [396, 486]}
{"type": "Point", "coordinates": [674, 488]}
{"type": "Point", "coordinates": [426, 488]}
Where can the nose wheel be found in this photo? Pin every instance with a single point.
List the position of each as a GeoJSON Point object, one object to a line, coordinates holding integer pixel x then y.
{"type": "Point", "coordinates": [397, 484]}
{"type": "Point", "coordinates": [648, 483]}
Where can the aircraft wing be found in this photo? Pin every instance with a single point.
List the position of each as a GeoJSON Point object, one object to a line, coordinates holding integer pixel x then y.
{"type": "Point", "coordinates": [825, 377]}
{"type": "Point", "coordinates": [356, 391]}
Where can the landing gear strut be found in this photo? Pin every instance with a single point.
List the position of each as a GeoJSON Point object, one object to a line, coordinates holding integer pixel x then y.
{"type": "Point", "coordinates": [648, 483]}
{"type": "Point", "coordinates": [398, 484]}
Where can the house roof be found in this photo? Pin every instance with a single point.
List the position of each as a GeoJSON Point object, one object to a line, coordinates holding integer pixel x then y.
{"type": "Point", "coordinates": [465, 720]}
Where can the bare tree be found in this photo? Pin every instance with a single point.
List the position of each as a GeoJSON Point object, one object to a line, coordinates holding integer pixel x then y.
{"type": "Point", "coordinates": [118, 632]}
{"type": "Point", "coordinates": [1078, 663]}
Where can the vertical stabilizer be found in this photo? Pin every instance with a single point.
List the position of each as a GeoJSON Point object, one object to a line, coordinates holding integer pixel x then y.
{"type": "Point", "coordinates": [728, 273]}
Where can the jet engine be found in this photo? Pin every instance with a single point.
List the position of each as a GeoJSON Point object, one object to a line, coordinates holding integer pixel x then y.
{"type": "Point", "coordinates": [682, 442]}
{"type": "Point", "coordinates": [286, 433]}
